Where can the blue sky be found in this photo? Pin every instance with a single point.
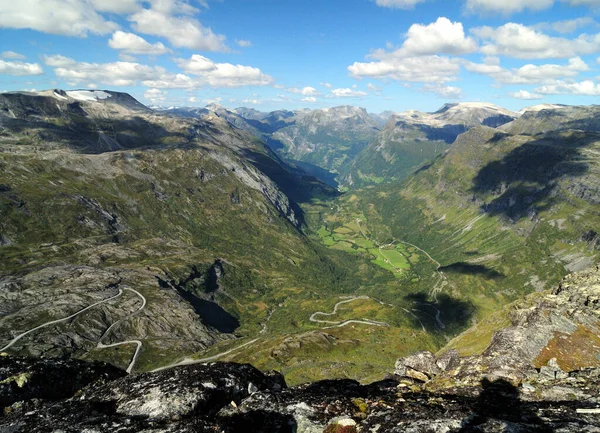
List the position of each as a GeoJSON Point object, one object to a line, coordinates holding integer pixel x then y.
{"type": "Point", "coordinates": [274, 54]}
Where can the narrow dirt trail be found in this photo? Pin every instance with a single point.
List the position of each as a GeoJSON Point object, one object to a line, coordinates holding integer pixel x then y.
{"type": "Point", "coordinates": [339, 324]}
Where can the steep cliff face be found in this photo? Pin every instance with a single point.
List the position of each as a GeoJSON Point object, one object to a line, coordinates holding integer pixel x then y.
{"type": "Point", "coordinates": [329, 138]}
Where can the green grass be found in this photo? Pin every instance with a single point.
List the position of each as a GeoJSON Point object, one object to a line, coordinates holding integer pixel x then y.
{"type": "Point", "coordinates": [347, 235]}
{"type": "Point", "coordinates": [395, 258]}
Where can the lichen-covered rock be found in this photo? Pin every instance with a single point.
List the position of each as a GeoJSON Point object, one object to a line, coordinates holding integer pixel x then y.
{"type": "Point", "coordinates": [342, 424]}
{"type": "Point", "coordinates": [197, 389]}
{"type": "Point", "coordinates": [552, 370]}
{"type": "Point", "coordinates": [420, 366]}
{"type": "Point", "coordinates": [180, 399]}
{"type": "Point", "coordinates": [448, 360]}
{"type": "Point", "coordinates": [553, 334]}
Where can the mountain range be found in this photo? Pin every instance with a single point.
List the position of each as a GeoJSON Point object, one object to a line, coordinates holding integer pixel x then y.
{"type": "Point", "coordinates": [321, 243]}
{"type": "Point", "coordinates": [354, 146]}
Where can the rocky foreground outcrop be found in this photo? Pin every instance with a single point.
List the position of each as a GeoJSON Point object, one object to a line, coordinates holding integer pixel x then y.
{"type": "Point", "coordinates": [228, 397]}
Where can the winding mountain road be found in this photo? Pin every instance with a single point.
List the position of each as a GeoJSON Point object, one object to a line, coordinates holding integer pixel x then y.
{"type": "Point", "coordinates": [191, 361]}
{"type": "Point", "coordinates": [100, 345]}
{"type": "Point", "coordinates": [138, 343]}
{"type": "Point", "coordinates": [339, 324]}
{"type": "Point", "coordinates": [54, 322]}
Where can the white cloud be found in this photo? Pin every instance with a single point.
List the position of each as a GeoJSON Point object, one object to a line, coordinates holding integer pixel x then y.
{"type": "Point", "coordinates": [306, 91]}
{"type": "Point", "coordinates": [398, 4]}
{"type": "Point", "coordinates": [446, 92]}
{"type": "Point", "coordinates": [587, 88]}
{"type": "Point", "coordinates": [196, 64]}
{"type": "Point", "coordinates": [590, 3]}
{"type": "Point", "coordinates": [440, 37]}
{"type": "Point", "coordinates": [156, 96]}
{"type": "Point", "coordinates": [113, 74]}
{"type": "Point", "coordinates": [60, 17]}
{"type": "Point", "coordinates": [524, 94]}
{"type": "Point", "coordinates": [506, 7]}
{"type": "Point", "coordinates": [419, 59]}
{"type": "Point", "coordinates": [11, 55]}
{"type": "Point", "coordinates": [192, 99]}
{"type": "Point", "coordinates": [127, 57]}
{"type": "Point", "coordinates": [222, 74]}
{"type": "Point", "coordinates": [176, 7]}
{"type": "Point", "coordinates": [373, 88]}
{"type": "Point", "coordinates": [528, 74]}
{"type": "Point", "coordinates": [428, 69]}
{"type": "Point", "coordinates": [536, 73]}
{"type": "Point", "coordinates": [216, 100]}
{"type": "Point", "coordinates": [20, 68]}
{"type": "Point", "coordinates": [517, 40]}
{"type": "Point", "coordinates": [242, 43]}
{"type": "Point", "coordinates": [309, 99]}
{"type": "Point", "coordinates": [133, 44]}
{"type": "Point", "coordinates": [348, 93]}
{"type": "Point", "coordinates": [172, 81]}
{"type": "Point", "coordinates": [181, 30]}
{"type": "Point", "coordinates": [116, 6]}
{"type": "Point", "coordinates": [329, 85]}
{"type": "Point", "coordinates": [566, 26]}
{"type": "Point", "coordinates": [59, 61]}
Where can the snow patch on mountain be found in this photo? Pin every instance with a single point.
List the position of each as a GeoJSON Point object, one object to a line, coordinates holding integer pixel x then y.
{"type": "Point", "coordinates": [540, 107]}
{"type": "Point", "coordinates": [468, 114]}
{"type": "Point", "coordinates": [88, 95]}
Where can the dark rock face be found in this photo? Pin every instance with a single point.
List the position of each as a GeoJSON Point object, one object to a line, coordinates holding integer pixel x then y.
{"type": "Point", "coordinates": [182, 399]}
{"type": "Point", "coordinates": [591, 237]}
{"type": "Point", "coordinates": [4, 240]}
{"type": "Point", "coordinates": [231, 398]}
{"type": "Point", "coordinates": [49, 379]}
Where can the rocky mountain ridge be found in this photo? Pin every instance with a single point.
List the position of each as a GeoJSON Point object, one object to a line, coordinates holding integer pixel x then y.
{"type": "Point", "coordinates": [548, 118]}
{"type": "Point", "coordinates": [336, 138]}
{"type": "Point", "coordinates": [327, 138]}
{"type": "Point", "coordinates": [412, 138]}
